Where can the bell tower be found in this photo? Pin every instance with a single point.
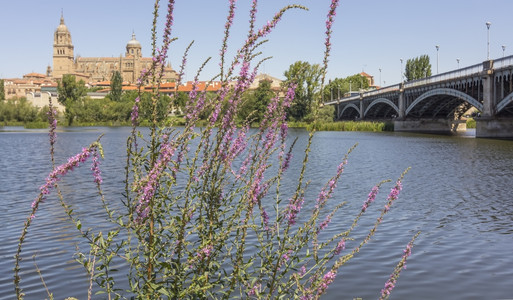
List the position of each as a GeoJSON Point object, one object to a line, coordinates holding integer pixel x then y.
{"type": "Point", "coordinates": [63, 56]}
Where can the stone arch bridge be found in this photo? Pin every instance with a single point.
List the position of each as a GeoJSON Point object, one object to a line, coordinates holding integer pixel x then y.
{"type": "Point", "coordinates": [436, 104]}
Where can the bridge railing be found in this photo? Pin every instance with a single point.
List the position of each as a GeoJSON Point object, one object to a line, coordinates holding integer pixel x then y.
{"type": "Point", "coordinates": [503, 62]}
{"type": "Point", "coordinates": [451, 75]}
{"type": "Point", "coordinates": [387, 89]}
{"type": "Point", "coordinates": [391, 88]}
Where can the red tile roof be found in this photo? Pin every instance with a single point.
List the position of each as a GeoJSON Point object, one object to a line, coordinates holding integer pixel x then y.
{"type": "Point", "coordinates": [38, 75]}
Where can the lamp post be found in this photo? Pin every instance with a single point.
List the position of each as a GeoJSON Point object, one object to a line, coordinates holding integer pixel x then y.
{"type": "Point", "coordinates": [437, 48]}
{"type": "Point", "coordinates": [380, 75]}
{"type": "Point", "coordinates": [503, 49]}
{"type": "Point", "coordinates": [458, 61]}
{"type": "Point", "coordinates": [401, 69]}
{"type": "Point", "coordinates": [488, 40]}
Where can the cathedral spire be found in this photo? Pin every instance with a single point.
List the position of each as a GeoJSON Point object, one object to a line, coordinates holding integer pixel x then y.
{"type": "Point", "coordinates": [62, 16]}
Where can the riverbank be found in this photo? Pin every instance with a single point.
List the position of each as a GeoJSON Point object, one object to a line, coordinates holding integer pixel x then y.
{"type": "Point", "coordinates": [179, 121]}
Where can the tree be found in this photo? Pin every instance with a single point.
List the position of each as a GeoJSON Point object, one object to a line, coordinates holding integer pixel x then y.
{"type": "Point", "coordinates": [146, 110]}
{"type": "Point", "coordinates": [116, 86]}
{"type": "Point", "coordinates": [417, 68]}
{"type": "Point", "coordinates": [2, 90]}
{"type": "Point", "coordinates": [307, 78]}
{"type": "Point", "coordinates": [70, 91]}
{"type": "Point", "coordinates": [338, 87]}
{"type": "Point", "coordinates": [180, 100]}
{"type": "Point", "coordinates": [255, 102]}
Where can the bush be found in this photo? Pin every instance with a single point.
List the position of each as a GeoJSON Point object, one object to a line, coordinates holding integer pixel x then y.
{"type": "Point", "coordinates": [471, 123]}
{"type": "Point", "coordinates": [198, 199]}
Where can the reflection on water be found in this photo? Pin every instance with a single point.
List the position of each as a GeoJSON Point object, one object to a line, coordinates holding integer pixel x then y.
{"type": "Point", "coordinates": [456, 193]}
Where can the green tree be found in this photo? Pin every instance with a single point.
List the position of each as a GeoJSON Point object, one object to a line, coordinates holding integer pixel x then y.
{"type": "Point", "coordinates": [418, 67]}
{"type": "Point", "coordinates": [180, 100]}
{"type": "Point", "coordinates": [116, 86]}
{"type": "Point", "coordinates": [70, 91]}
{"type": "Point", "coordinates": [18, 110]}
{"type": "Point", "coordinates": [2, 90]}
{"type": "Point", "coordinates": [338, 87]}
{"type": "Point", "coordinates": [145, 112]}
{"type": "Point", "coordinates": [255, 102]}
{"type": "Point", "coordinates": [307, 78]}
{"type": "Point", "coordinates": [326, 114]}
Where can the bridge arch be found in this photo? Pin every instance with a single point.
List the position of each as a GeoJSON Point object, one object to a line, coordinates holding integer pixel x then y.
{"type": "Point", "coordinates": [349, 106]}
{"type": "Point", "coordinates": [381, 101]}
{"type": "Point", "coordinates": [507, 100]}
{"type": "Point", "coordinates": [448, 92]}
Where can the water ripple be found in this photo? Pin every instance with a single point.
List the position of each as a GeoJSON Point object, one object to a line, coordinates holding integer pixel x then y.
{"type": "Point", "coordinates": [456, 193]}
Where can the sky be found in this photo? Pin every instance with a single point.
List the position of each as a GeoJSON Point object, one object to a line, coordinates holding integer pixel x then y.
{"type": "Point", "coordinates": [368, 36]}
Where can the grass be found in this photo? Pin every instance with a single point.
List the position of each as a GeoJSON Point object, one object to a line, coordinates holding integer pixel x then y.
{"type": "Point", "coordinates": [471, 123]}
{"type": "Point", "coordinates": [352, 126]}
{"type": "Point", "coordinates": [36, 125]}
{"type": "Point", "coordinates": [179, 121]}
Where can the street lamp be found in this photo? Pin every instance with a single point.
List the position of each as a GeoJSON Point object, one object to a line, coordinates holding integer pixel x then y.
{"type": "Point", "coordinates": [458, 61]}
{"type": "Point", "coordinates": [488, 40]}
{"type": "Point", "coordinates": [437, 47]}
{"type": "Point", "coordinates": [401, 69]}
{"type": "Point", "coordinates": [380, 75]}
{"type": "Point", "coordinates": [503, 49]}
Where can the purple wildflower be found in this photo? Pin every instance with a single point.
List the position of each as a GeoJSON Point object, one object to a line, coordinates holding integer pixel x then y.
{"type": "Point", "coordinates": [52, 120]}
{"type": "Point", "coordinates": [340, 246]}
{"type": "Point", "coordinates": [265, 219]}
{"type": "Point", "coordinates": [302, 271]}
{"type": "Point", "coordinates": [134, 117]}
{"type": "Point", "coordinates": [227, 26]}
{"type": "Point", "coordinates": [327, 279]}
{"type": "Point", "coordinates": [239, 145]}
{"type": "Point", "coordinates": [58, 173]}
{"type": "Point", "coordinates": [252, 17]}
{"type": "Point", "coordinates": [96, 167]}
{"type": "Point", "coordinates": [327, 190]}
{"type": "Point", "coordinates": [391, 282]}
{"type": "Point", "coordinates": [370, 198]}
{"type": "Point", "coordinates": [394, 193]}
{"type": "Point", "coordinates": [255, 289]}
{"type": "Point", "coordinates": [325, 223]}
{"type": "Point", "coordinates": [150, 182]}
{"type": "Point", "coordinates": [329, 23]}
{"type": "Point", "coordinates": [205, 252]}
{"type": "Point", "coordinates": [195, 104]}
{"type": "Point", "coordinates": [257, 188]}
{"type": "Point", "coordinates": [293, 209]}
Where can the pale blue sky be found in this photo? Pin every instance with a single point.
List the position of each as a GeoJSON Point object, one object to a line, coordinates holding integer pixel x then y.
{"type": "Point", "coordinates": [368, 35]}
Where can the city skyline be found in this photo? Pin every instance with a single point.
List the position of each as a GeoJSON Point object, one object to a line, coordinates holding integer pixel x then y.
{"type": "Point", "coordinates": [369, 38]}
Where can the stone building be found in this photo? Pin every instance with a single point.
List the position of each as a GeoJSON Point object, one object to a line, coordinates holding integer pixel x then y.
{"type": "Point", "coordinates": [30, 83]}
{"type": "Point", "coordinates": [370, 78]}
{"type": "Point", "coordinates": [94, 69]}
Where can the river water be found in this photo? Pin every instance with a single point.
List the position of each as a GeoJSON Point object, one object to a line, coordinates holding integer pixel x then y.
{"type": "Point", "coordinates": [457, 194]}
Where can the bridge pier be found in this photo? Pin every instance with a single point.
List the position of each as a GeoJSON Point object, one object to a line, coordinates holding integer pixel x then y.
{"type": "Point", "coordinates": [489, 125]}
{"type": "Point", "coordinates": [495, 128]}
{"type": "Point", "coordinates": [436, 126]}
{"type": "Point", "coordinates": [489, 103]}
{"type": "Point", "coordinates": [401, 102]}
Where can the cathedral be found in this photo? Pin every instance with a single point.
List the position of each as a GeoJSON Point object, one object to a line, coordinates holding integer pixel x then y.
{"type": "Point", "coordinates": [94, 69]}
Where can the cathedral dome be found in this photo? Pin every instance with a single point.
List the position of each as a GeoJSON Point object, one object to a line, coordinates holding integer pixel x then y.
{"type": "Point", "coordinates": [133, 43]}
{"type": "Point", "coordinates": [133, 47]}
